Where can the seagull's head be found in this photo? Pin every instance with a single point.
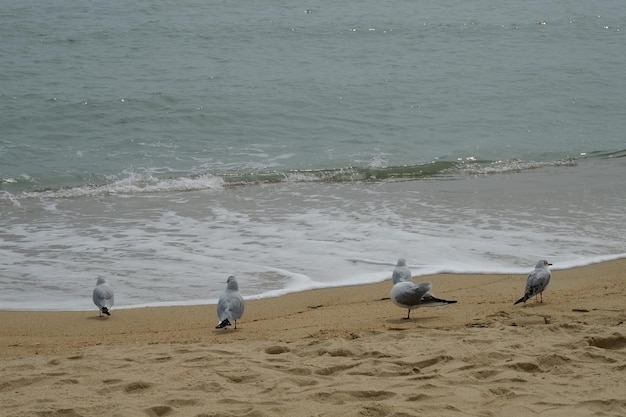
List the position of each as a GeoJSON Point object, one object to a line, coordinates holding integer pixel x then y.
{"type": "Point", "coordinates": [231, 283]}
{"type": "Point", "coordinates": [543, 264]}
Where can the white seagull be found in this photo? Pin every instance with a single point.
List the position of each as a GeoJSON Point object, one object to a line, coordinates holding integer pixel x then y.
{"type": "Point", "coordinates": [537, 282]}
{"type": "Point", "coordinates": [406, 294]}
{"type": "Point", "coordinates": [230, 304]}
{"type": "Point", "coordinates": [103, 296]}
{"type": "Point", "coordinates": [401, 272]}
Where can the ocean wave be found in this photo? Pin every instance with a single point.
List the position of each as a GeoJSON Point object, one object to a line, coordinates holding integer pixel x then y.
{"type": "Point", "coordinates": [471, 166]}
{"type": "Point", "coordinates": [143, 182]}
{"type": "Point", "coordinates": [131, 184]}
{"type": "Point", "coordinates": [504, 167]}
{"type": "Point", "coordinates": [606, 154]}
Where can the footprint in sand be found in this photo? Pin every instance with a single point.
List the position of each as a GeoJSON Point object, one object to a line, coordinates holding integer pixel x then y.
{"type": "Point", "coordinates": [137, 387]}
{"type": "Point", "coordinates": [339, 397]}
{"type": "Point", "coordinates": [614, 342]}
{"type": "Point", "coordinates": [158, 411]}
{"type": "Point", "coordinates": [64, 412]}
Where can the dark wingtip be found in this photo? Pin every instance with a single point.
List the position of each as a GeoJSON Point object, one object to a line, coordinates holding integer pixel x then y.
{"type": "Point", "coordinates": [106, 311]}
{"type": "Point", "coordinates": [521, 300]}
{"type": "Point", "coordinates": [439, 300]}
{"type": "Point", "coordinates": [223, 323]}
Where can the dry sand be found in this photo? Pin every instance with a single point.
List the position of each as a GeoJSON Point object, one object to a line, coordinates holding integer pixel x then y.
{"type": "Point", "coordinates": [336, 352]}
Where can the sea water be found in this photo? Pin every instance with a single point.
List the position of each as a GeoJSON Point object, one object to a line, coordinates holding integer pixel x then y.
{"type": "Point", "coordinates": [303, 145]}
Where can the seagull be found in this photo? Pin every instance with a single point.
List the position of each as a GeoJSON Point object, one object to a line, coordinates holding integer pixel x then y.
{"type": "Point", "coordinates": [408, 295]}
{"type": "Point", "coordinates": [537, 282]}
{"type": "Point", "coordinates": [401, 272]}
{"type": "Point", "coordinates": [103, 296]}
{"type": "Point", "coordinates": [230, 304]}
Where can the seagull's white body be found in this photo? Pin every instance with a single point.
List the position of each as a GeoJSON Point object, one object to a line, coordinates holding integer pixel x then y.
{"type": "Point", "coordinates": [103, 296]}
{"type": "Point", "coordinates": [401, 272]}
{"type": "Point", "coordinates": [409, 295]}
{"type": "Point", "coordinates": [537, 282]}
{"type": "Point", "coordinates": [230, 305]}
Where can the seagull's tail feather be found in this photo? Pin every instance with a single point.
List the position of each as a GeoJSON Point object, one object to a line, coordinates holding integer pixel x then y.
{"type": "Point", "coordinates": [223, 323]}
{"type": "Point", "coordinates": [523, 299]}
{"type": "Point", "coordinates": [430, 300]}
{"type": "Point", "coordinates": [105, 310]}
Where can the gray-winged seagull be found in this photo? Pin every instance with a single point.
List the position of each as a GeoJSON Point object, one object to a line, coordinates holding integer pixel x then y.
{"type": "Point", "coordinates": [230, 304]}
{"type": "Point", "coordinates": [406, 294]}
{"type": "Point", "coordinates": [537, 282]}
{"type": "Point", "coordinates": [103, 296]}
{"type": "Point", "coordinates": [401, 272]}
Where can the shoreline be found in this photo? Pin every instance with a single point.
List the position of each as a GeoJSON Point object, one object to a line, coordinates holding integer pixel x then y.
{"type": "Point", "coordinates": [344, 350]}
{"type": "Point", "coordinates": [150, 321]}
{"type": "Point", "coordinates": [280, 293]}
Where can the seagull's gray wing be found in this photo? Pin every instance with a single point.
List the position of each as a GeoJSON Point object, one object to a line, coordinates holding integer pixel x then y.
{"type": "Point", "coordinates": [230, 306]}
{"type": "Point", "coordinates": [103, 296]}
{"type": "Point", "coordinates": [401, 272]}
{"type": "Point", "coordinates": [407, 294]}
{"type": "Point", "coordinates": [537, 281]}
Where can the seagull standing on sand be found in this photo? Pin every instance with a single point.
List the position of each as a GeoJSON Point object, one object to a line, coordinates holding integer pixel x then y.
{"type": "Point", "coordinates": [401, 272]}
{"type": "Point", "coordinates": [406, 294]}
{"type": "Point", "coordinates": [230, 304]}
{"type": "Point", "coordinates": [537, 282]}
{"type": "Point", "coordinates": [103, 296]}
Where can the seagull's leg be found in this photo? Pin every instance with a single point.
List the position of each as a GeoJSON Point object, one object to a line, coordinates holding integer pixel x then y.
{"type": "Point", "coordinates": [235, 324]}
{"type": "Point", "coordinates": [541, 295]}
{"type": "Point", "coordinates": [408, 314]}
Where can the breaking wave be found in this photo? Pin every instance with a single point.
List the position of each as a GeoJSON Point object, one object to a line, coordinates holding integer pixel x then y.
{"type": "Point", "coordinates": [144, 182]}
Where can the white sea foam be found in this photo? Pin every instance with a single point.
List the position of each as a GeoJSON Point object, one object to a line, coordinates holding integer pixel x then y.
{"type": "Point", "coordinates": [178, 247]}
{"type": "Point", "coordinates": [132, 183]}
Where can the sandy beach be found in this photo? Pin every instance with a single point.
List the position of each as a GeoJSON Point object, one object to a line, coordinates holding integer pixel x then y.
{"type": "Point", "coordinates": [335, 352]}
